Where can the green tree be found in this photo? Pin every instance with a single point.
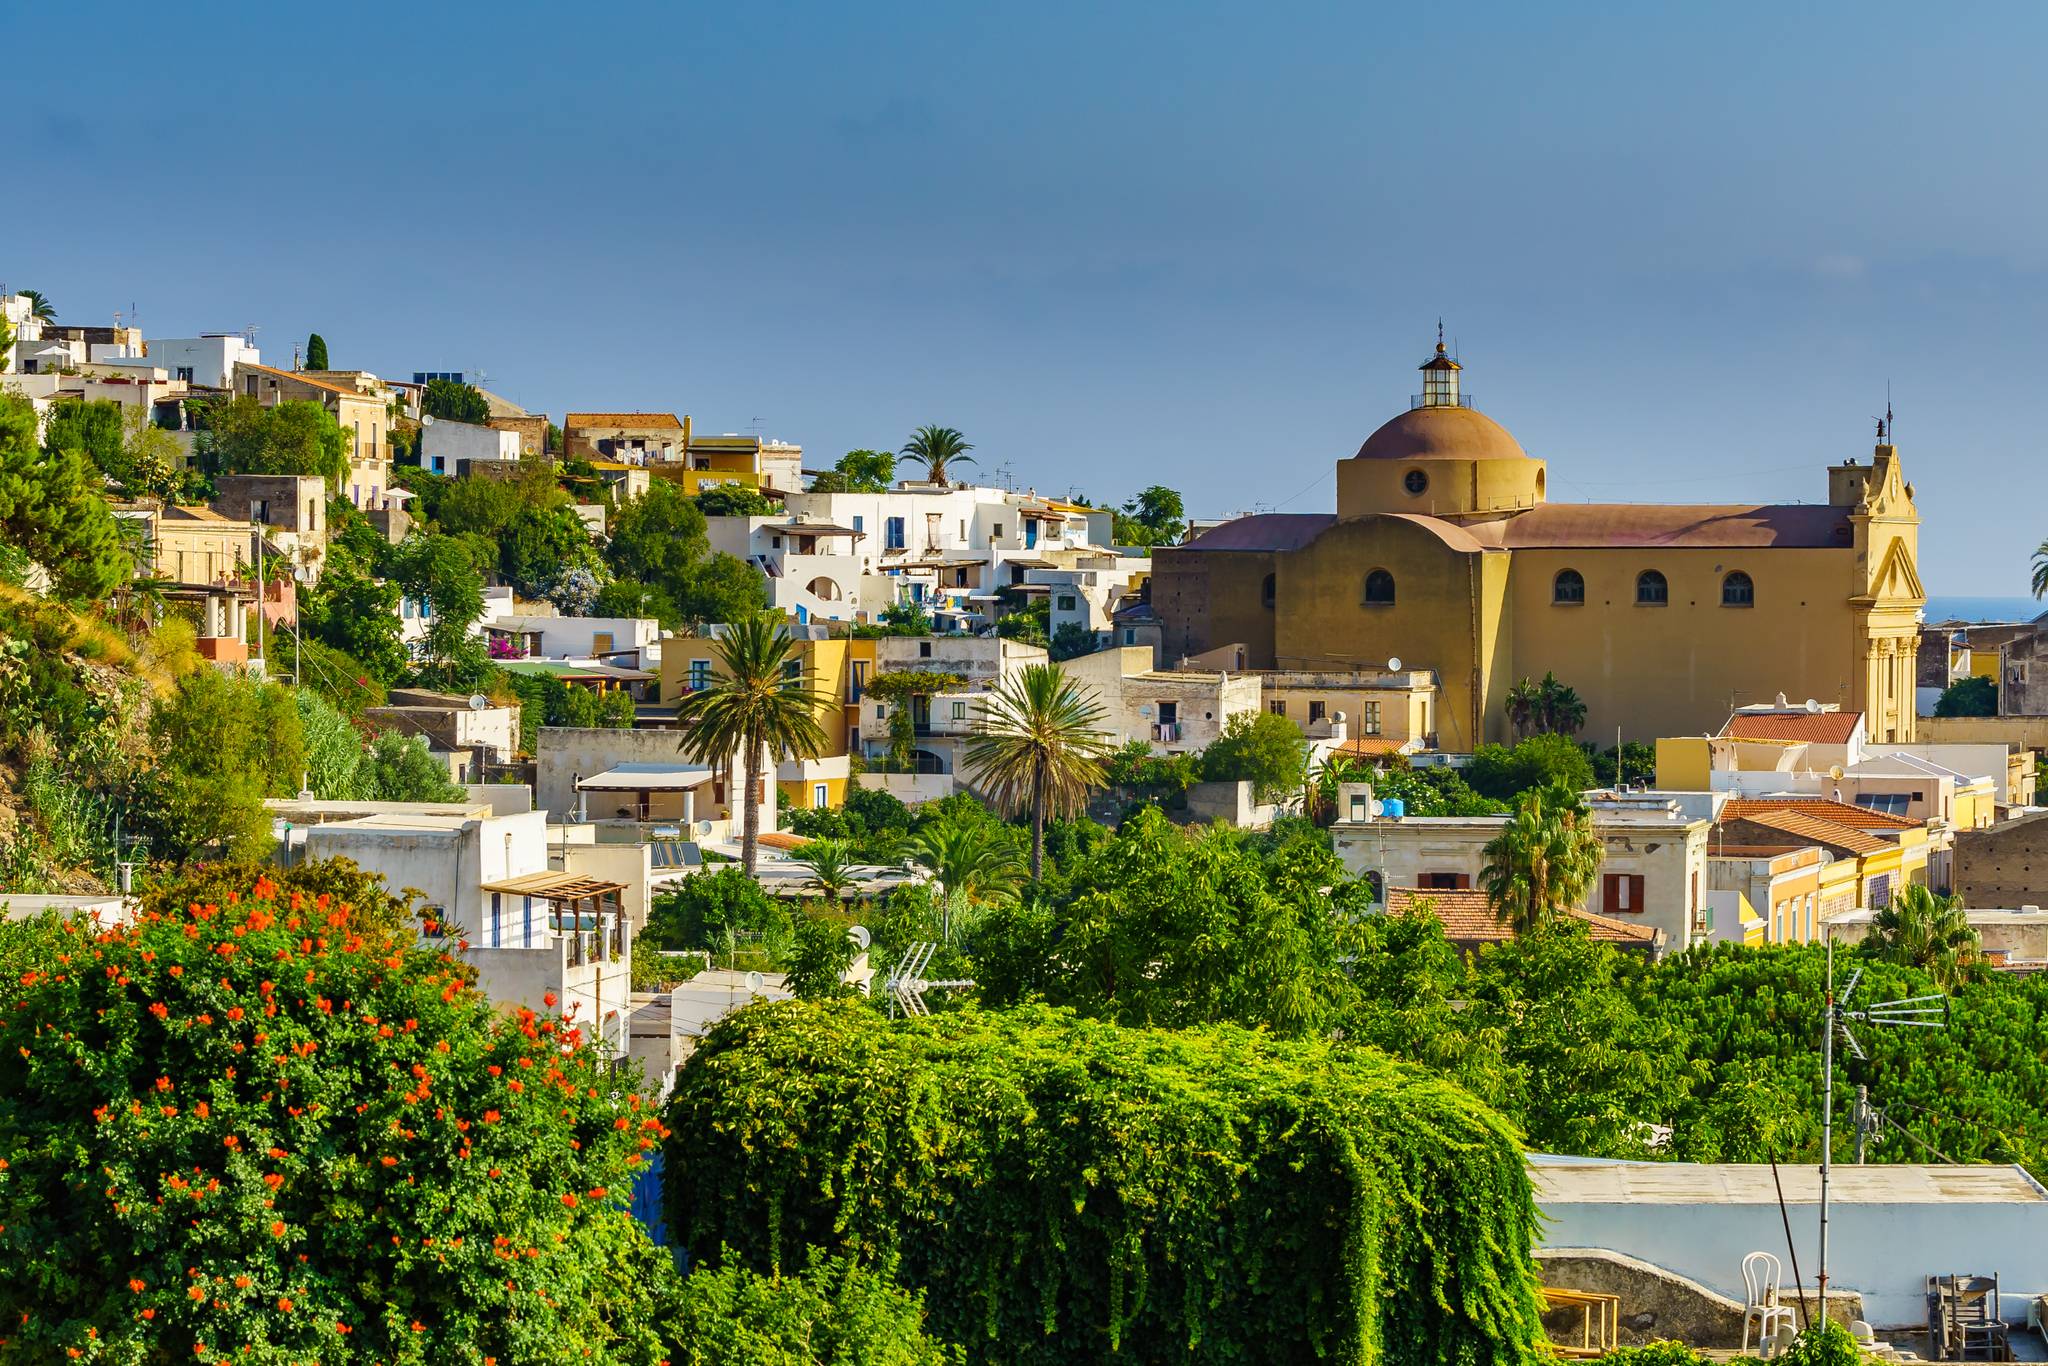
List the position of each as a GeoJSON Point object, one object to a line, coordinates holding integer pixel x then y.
{"type": "Point", "coordinates": [152, 463]}
{"type": "Point", "coordinates": [455, 402]}
{"type": "Point", "coordinates": [224, 743]}
{"type": "Point", "coordinates": [1040, 748]}
{"type": "Point", "coordinates": [1926, 930]}
{"type": "Point", "coordinates": [1972, 696]}
{"type": "Point", "coordinates": [700, 911]}
{"type": "Point", "coordinates": [1155, 517]}
{"type": "Point", "coordinates": [834, 1312]}
{"type": "Point", "coordinates": [658, 540]}
{"type": "Point", "coordinates": [833, 870]}
{"type": "Point", "coordinates": [356, 614]}
{"type": "Point", "coordinates": [1538, 761]}
{"type": "Point", "coordinates": [1252, 1179]}
{"type": "Point", "coordinates": [400, 768]}
{"type": "Point", "coordinates": [936, 450]}
{"type": "Point", "coordinates": [439, 571]}
{"type": "Point", "coordinates": [760, 703]}
{"type": "Point", "coordinates": [91, 429]}
{"type": "Point", "coordinates": [1071, 641]}
{"type": "Point", "coordinates": [975, 862]}
{"type": "Point", "coordinates": [1542, 862]}
{"type": "Point", "coordinates": [858, 472]}
{"type": "Point", "coordinates": [316, 352]}
{"type": "Point", "coordinates": [53, 510]}
{"type": "Point", "coordinates": [361, 1159]}
{"type": "Point", "coordinates": [819, 953]}
{"type": "Point", "coordinates": [1545, 708]}
{"type": "Point", "coordinates": [721, 588]}
{"type": "Point", "coordinates": [1266, 750]}
{"type": "Point", "coordinates": [734, 500]}
{"type": "Point", "coordinates": [241, 436]}
{"type": "Point", "coordinates": [632, 598]}
{"type": "Point", "coordinates": [39, 306]}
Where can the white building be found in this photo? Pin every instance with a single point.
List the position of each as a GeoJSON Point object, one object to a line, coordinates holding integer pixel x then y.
{"type": "Point", "coordinates": [631, 641]}
{"type": "Point", "coordinates": [531, 931]}
{"type": "Point", "coordinates": [1175, 711]}
{"type": "Point", "coordinates": [208, 359]}
{"type": "Point", "coordinates": [447, 446]}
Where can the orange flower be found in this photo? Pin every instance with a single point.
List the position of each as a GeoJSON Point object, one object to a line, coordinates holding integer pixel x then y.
{"type": "Point", "coordinates": [241, 1282]}
{"type": "Point", "coordinates": [569, 1201]}
{"type": "Point", "coordinates": [137, 1286]}
{"type": "Point", "coordinates": [277, 1228]}
{"type": "Point", "coordinates": [284, 1305]}
{"type": "Point", "coordinates": [177, 971]}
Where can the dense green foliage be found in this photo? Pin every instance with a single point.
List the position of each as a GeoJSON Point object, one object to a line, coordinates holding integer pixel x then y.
{"type": "Point", "coordinates": [316, 352]}
{"type": "Point", "coordinates": [1972, 696]}
{"type": "Point", "coordinates": [834, 1312]}
{"type": "Point", "coordinates": [53, 510]}
{"type": "Point", "coordinates": [454, 401]}
{"type": "Point", "coordinates": [259, 1127]}
{"type": "Point", "coordinates": [1260, 748]}
{"type": "Point", "coordinates": [857, 472]}
{"type": "Point", "coordinates": [1539, 761]}
{"type": "Point", "coordinates": [661, 554]}
{"type": "Point", "coordinates": [545, 700]}
{"type": "Point", "coordinates": [242, 436]}
{"type": "Point", "coordinates": [1438, 790]}
{"type": "Point", "coordinates": [1155, 517]}
{"type": "Point", "coordinates": [1545, 707]}
{"type": "Point", "coordinates": [734, 500]}
{"type": "Point", "coordinates": [225, 742]}
{"type": "Point", "coordinates": [1063, 1190]}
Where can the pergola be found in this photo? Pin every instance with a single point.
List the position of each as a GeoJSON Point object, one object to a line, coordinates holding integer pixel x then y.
{"type": "Point", "coordinates": [572, 897]}
{"type": "Point", "coordinates": [643, 781]}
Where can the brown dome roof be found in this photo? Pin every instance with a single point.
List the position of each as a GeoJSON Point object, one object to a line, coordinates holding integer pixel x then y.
{"type": "Point", "coordinates": [1442, 433]}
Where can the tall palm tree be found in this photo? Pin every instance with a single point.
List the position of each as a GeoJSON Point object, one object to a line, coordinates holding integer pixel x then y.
{"type": "Point", "coordinates": [2041, 570]}
{"type": "Point", "coordinates": [1040, 748]}
{"type": "Point", "coordinates": [1928, 931]}
{"type": "Point", "coordinates": [1523, 701]}
{"type": "Point", "coordinates": [761, 701]}
{"type": "Point", "coordinates": [39, 306]}
{"type": "Point", "coordinates": [936, 448]}
{"type": "Point", "coordinates": [1560, 709]}
{"type": "Point", "coordinates": [1543, 861]}
{"type": "Point", "coordinates": [974, 862]}
{"type": "Point", "coordinates": [832, 868]}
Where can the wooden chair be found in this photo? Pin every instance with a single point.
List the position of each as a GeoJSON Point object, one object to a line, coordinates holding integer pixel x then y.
{"type": "Point", "coordinates": [1964, 1319]}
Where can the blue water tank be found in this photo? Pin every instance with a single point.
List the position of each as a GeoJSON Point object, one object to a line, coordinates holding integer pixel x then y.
{"type": "Point", "coordinates": [1393, 808]}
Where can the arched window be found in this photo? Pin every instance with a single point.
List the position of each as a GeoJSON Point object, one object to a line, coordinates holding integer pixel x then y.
{"type": "Point", "coordinates": [1569, 586]}
{"type": "Point", "coordinates": [1268, 591]}
{"type": "Point", "coordinates": [1738, 591]}
{"type": "Point", "coordinates": [1379, 589]}
{"type": "Point", "coordinates": [1651, 590]}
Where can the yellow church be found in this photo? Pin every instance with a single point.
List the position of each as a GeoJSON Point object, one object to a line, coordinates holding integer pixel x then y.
{"type": "Point", "coordinates": [1445, 554]}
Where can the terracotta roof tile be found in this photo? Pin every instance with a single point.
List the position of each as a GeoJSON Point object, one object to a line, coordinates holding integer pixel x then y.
{"type": "Point", "coordinates": [1834, 812]}
{"type": "Point", "coordinates": [633, 420]}
{"type": "Point", "coordinates": [1819, 728]}
{"type": "Point", "coordinates": [1370, 746]}
{"type": "Point", "coordinates": [1817, 830]}
{"type": "Point", "coordinates": [344, 390]}
{"type": "Point", "coordinates": [1468, 918]}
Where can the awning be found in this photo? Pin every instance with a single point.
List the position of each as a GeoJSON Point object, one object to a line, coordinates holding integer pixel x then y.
{"type": "Point", "coordinates": [557, 886]}
{"type": "Point", "coordinates": [646, 778]}
{"type": "Point", "coordinates": [814, 529]}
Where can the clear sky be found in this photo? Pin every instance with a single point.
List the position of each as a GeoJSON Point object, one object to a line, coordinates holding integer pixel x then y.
{"type": "Point", "coordinates": [1683, 249]}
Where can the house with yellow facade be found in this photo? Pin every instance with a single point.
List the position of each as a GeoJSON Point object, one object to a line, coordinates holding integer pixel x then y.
{"type": "Point", "coordinates": [1799, 862]}
{"type": "Point", "coordinates": [836, 670]}
{"type": "Point", "coordinates": [1445, 551]}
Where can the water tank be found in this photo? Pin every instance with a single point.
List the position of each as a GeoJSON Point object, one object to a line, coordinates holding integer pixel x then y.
{"type": "Point", "coordinates": [1393, 808]}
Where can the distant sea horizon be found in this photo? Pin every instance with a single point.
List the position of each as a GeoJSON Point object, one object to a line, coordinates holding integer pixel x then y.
{"type": "Point", "coordinates": [1983, 609]}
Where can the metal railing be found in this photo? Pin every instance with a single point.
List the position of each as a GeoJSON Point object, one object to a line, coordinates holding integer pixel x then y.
{"type": "Point", "coordinates": [1432, 401]}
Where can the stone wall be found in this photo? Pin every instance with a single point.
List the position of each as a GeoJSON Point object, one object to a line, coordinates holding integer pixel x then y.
{"type": "Point", "coordinates": [2004, 865]}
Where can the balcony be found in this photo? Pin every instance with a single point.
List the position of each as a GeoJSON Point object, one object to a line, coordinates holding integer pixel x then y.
{"type": "Point", "coordinates": [1166, 732]}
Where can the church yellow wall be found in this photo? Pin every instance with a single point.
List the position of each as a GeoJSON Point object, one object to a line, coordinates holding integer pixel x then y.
{"type": "Point", "coordinates": [1679, 669]}
{"type": "Point", "coordinates": [1446, 616]}
{"type": "Point", "coordinates": [1456, 488]}
{"type": "Point", "coordinates": [1214, 598]}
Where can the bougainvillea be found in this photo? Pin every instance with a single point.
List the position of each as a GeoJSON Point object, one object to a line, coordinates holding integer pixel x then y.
{"type": "Point", "coordinates": [265, 1129]}
{"type": "Point", "coordinates": [1066, 1190]}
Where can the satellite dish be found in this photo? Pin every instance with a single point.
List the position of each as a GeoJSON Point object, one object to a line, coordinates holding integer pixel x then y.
{"type": "Point", "coordinates": [1835, 772]}
{"type": "Point", "coordinates": [1376, 807]}
{"type": "Point", "coordinates": [860, 937]}
{"type": "Point", "coordinates": [1338, 717]}
{"type": "Point", "coordinates": [1393, 666]}
{"type": "Point", "coordinates": [703, 827]}
{"type": "Point", "coordinates": [1812, 707]}
{"type": "Point", "coordinates": [477, 701]}
{"type": "Point", "coordinates": [1145, 710]}
{"type": "Point", "coordinates": [755, 981]}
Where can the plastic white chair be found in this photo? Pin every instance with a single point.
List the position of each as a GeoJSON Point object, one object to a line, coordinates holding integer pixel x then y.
{"type": "Point", "coordinates": [1761, 1279]}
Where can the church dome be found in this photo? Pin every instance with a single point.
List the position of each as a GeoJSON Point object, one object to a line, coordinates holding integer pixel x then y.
{"type": "Point", "coordinates": [1442, 432]}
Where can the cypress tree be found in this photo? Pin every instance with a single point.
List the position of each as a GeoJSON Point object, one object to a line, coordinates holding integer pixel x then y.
{"type": "Point", "coordinates": [316, 352]}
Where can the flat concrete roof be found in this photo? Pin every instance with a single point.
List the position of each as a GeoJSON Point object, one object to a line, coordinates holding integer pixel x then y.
{"type": "Point", "coordinates": [1583, 1181]}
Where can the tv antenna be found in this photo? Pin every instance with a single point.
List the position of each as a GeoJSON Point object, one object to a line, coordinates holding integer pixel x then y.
{"type": "Point", "coordinates": [1923, 1012]}
{"type": "Point", "coordinates": [907, 984]}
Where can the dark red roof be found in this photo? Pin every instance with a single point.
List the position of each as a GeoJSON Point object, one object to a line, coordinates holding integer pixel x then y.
{"type": "Point", "coordinates": [1264, 531]}
{"type": "Point", "coordinates": [1562, 525]}
{"type": "Point", "coordinates": [1793, 727]}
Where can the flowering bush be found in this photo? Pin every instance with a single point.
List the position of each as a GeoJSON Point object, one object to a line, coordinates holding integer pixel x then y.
{"type": "Point", "coordinates": [262, 1127]}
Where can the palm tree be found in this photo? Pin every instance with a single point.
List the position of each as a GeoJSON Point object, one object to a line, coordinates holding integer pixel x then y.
{"type": "Point", "coordinates": [832, 867]}
{"type": "Point", "coordinates": [1929, 931]}
{"type": "Point", "coordinates": [1523, 702]}
{"type": "Point", "coordinates": [1321, 781]}
{"type": "Point", "coordinates": [1543, 861]}
{"type": "Point", "coordinates": [761, 701]}
{"type": "Point", "coordinates": [974, 862]}
{"type": "Point", "coordinates": [2041, 569]}
{"type": "Point", "coordinates": [1560, 710]}
{"type": "Point", "coordinates": [39, 306]}
{"type": "Point", "coordinates": [1040, 748]}
{"type": "Point", "coordinates": [935, 448]}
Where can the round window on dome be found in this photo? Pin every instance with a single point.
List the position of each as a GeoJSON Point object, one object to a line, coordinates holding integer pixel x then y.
{"type": "Point", "coordinates": [1415, 481]}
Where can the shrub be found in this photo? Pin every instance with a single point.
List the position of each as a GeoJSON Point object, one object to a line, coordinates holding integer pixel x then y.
{"type": "Point", "coordinates": [265, 1129]}
{"type": "Point", "coordinates": [1065, 1190]}
{"type": "Point", "coordinates": [835, 1313]}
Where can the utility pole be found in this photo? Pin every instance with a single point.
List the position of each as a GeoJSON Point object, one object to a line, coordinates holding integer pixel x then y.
{"type": "Point", "coordinates": [1827, 1123]}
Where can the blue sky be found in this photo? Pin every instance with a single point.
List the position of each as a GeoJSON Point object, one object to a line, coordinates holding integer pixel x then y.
{"type": "Point", "coordinates": [1682, 250]}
